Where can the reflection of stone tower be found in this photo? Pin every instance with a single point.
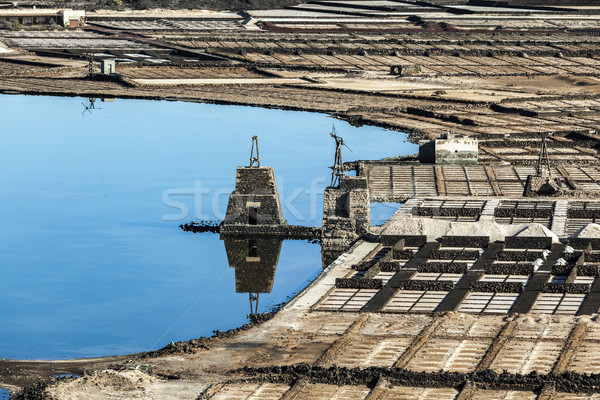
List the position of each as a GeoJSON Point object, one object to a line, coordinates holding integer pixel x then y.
{"type": "Point", "coordinates": [255, 200]}
{"type": "Point", "coordinates": [255, 262]}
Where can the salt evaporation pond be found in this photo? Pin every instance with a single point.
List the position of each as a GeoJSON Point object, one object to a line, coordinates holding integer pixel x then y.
{"type": "Point", "coordinates": [93, 261]}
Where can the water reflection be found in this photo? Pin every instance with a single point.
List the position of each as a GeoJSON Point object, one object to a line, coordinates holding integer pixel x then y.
{"type": "Point", "coordinates": [90, 264]}
{"type": "Point", "coordinates": [255, 262]}
{"type": "Point", "coordinates": [89, 106]}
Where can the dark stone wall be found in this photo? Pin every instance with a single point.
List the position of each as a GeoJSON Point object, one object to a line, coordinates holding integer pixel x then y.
{"type": "Point", "coordinates": [269, 211]}
{"type": "Point", "coordinates": [518, 255]}
{"type": "Point", "coordinates": [568, 381]}
{"type": "Point", "coordinates": [349, 183]}
{"type": "Point", "coordinates": [443, 268]}
{"type": "Point", "coordinates": [447, 212]}
{"type": "Point", "coordinates": [527, 242]}
{"type": "Point", "coordinates": [445, 254]}
{"type": "Point", "coordinates": [562, 269]}
{"type": "Point", "coordinates": [523, 213]}
{"type": "Point", "coordinates": [444, 286]}
{"type": "Point", "coordinates": [593, 257]}
{"type": "Point", "coordinates": [349, 283]}
{"type": "Point", "coordinates": [588, 270]}
{"type": "Point", "coordinates": [255, 180]}
{"type": "Point", "coordinates": [409, 240]}
{"type": "Point", "coordinates": [365, 265]}
{"type": "Point", "coordinates": [587, 213]}
{"type": "Point", "coordinates": [465, 241]}
{"type": "Point", "coordinates": [390, 266]}
{"type": "Point", "coordinates": [497, 287]}
{"type": "Point", "coordinates": [576, 288]}
{"type": "Point", "coordinates": [402, 254]}
{"type": "Point", "coordinates": [280, 231]}
{"type": "Point", "coordinates": [583, 243]}
{"type": "Point", "coordinates": [511, 269]}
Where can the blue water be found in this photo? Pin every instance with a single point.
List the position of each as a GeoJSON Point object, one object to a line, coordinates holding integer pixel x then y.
{"type": "Point", "coordinates": [381, 212]}
{"type": "Point", "coordinates": [4, 394]}
{"type": "Point", "coordinates": [92, 260]}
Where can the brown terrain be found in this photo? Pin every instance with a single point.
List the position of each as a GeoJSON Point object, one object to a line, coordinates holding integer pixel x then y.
{"type": "Point", "coordinates": [499, 72]}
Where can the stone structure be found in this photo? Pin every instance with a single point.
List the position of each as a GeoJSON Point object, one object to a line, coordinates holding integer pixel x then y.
{"type": "Point", "coordinates": [108, 66]}
{"type": "Point", "coordinates": [405, 70]}
{"type": "Point", "coordinates": [255, 262]}
{"type": "Point", "coordinates": [427, 151]}
{"type": "Point", "coordinates": [542, 185]}
{"type": "Point", "coordinates": [255, 200]}
{"type": "Point", "coordinates": [454, 149]}
{"type": "Point", "coordinates": [28, 17]}
{"type": "Point", "coordinates": [346, 212]}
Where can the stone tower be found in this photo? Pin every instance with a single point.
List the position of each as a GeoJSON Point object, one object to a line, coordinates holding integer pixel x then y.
{"type": "Point", "coordinates": [255, 200]}
{"type": "Point", "coordinates": [346, 212]}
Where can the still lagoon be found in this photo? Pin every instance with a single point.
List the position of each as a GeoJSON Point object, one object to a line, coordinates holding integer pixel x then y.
{"type": "Point", "coordinates": [92, 259]}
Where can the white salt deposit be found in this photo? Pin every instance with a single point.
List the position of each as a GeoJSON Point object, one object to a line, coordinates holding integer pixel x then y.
{"type": "Point", "coordinates": [588, 231]}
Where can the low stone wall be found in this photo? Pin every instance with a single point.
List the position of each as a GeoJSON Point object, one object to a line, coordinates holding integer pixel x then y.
{"type": "Point", "coordinates": [447, 212]}
{"type": "Point", "coordinates": [365, 265]}
{"type": "Point", "coordinates": [569, 381]}
{"type": "Point", "coordinates": [527, 242]}
{"type": "Point", "coordinates": [201, 227]}
{"type": "Point", "coordinates": [523, 213]}
{"type": "Point", "coordinates": [510, 269]}
{"type": "Point", "coordinates": [496, 287]}
{"type": "Point", "coordinates": [465, 241]}
{"type": "Point", "coordinates": [409, 240]}
{"type": "Point", "coordinates": [563, 269]}
{"type": "Point", "coordinates": [443, 268]}
{"type": "Point", "coordinates": [518, 255]}
{"type": "Point", "coordinates": [575, 288]}
{"type": "Point", "coordinates": [350, 283]}
{"type": "Point", "coordinates": [587, 214]}
{"type": "Point", "coordinates": [402, 254]}
{"type": "Point", "coordinates": [283, 231]}
{"type": "Point", "coordinates": [583, 243]}
{"type": "Point", "coordinates": [591, 257]}
{"type": "Point", "coordinates": [444, 286]}
{"type": "Point", "coordinates": [454, 254]}
{"type": "Point", "coordinates": [588, 270]}
{"type": "Point", "coordinates": [390, 266]}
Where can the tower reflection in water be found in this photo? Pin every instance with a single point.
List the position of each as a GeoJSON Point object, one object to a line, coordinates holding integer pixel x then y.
{"type": "Point", "coordinates": [255, 262]}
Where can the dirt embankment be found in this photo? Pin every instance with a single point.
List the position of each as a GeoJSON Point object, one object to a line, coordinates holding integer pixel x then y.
{"type": "Point", "coordinates": [215, 5]}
